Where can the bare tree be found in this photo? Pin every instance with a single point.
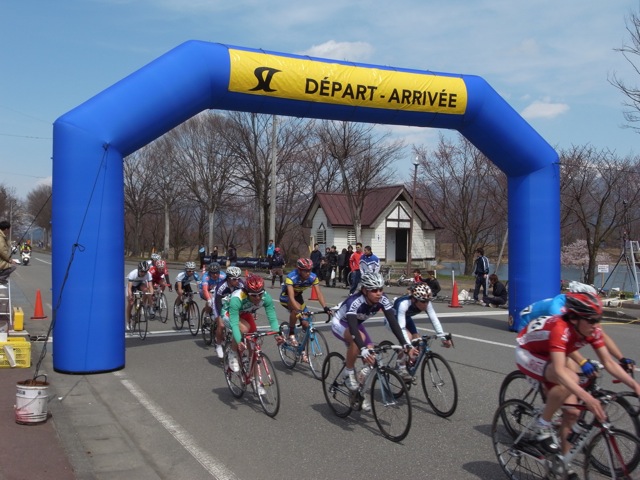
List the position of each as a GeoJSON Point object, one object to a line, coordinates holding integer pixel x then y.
{"type": "Point", "coordinates": [39, 207]}
{"type": "Point", "coordinates": [597, 188]}
{"type": "Point", "coordinates": [205, 163]}
{"type": "Point", "coordinates": [631, 52]}
{"type": "Point", "coordinates": [138, 193]}
{"type": "Point", "coordinates": [467, 190]}
{"type": "Point", "coordinates": [364, 161]}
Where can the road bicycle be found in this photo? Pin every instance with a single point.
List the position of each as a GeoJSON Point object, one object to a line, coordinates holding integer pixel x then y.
{"type": "Point", "coordinates": [388, 394]}
{"type": "Point", "coordinates": [256, 369]}
{"type": "Point", "coordinates": [438, 381]}
{"type": "Point", "coordinates": [159, 306]}
{"type": "Point", "coordinates": [622, 409]}
{"type": "Point", "coordinates": [187, 312]}
{"type": "Point", "coordinates": [139, 321]}
{"type": "Point", "coordinates": [600, 449]}
{"type": "Point", "coordinates": [312, 347]}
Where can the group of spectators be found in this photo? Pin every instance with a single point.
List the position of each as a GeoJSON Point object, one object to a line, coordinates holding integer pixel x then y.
{"type": "Point", "coordinates": [335, 268]}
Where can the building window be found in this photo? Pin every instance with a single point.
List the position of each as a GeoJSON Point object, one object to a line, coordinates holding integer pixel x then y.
{"type": "Point", "coordinates": [321, 237]}
{"type": "Point", "coordinates": [351, 237]}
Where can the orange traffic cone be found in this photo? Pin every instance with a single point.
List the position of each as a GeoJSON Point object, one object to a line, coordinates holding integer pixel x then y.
{"type": "Point", "coordinates": [38, 313]}
{"type": "Point", "coordinates": [314, 293]}
{"type": "Point", "coordinates": [454, 297]}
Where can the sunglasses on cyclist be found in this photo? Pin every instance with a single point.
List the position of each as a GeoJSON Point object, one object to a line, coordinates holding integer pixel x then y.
{"type": "Point", "coordinates": [592, 321]}
{"type": "Point", "coordinates": [374, 290]}
{"type": "Point", "coordinates": [256, 295]}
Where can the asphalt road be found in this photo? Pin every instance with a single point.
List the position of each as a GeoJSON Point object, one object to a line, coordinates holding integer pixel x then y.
{"type": "Point", "coordinates": [174, 406]}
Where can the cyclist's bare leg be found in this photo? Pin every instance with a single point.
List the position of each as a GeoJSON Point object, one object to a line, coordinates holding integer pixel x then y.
{"type": "Point", "coordinates": [352, 349]}
{"type": "Point", "coordinates": [219, 331]}
{"type": "Point", "coordinates": [244, 328]}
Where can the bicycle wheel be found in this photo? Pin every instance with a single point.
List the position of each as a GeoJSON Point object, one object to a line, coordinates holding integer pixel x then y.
{"type": "Point", "coordinates": [177, 315]}
{"type": "Point", "coordinates": [612, 455]}
{"type": "Point", "coordinates": [317, 350]}
{"type": "Point", "coordinates": [235, 380]}
{"type": "Point", "coordinates": [512, 418]}
{"type": "Point", "coordinates": [439, 385]}
{"type": "Point", "coordinates": [516, 385]}
{"type": "Point", "coordinates": [287, 352]}
{"type": "Point", "coordinates": [142, 322]}
{"type": "Point", "coordinates": [265, 385]}
{"type": "Point", "coordinates": [392, 412]}
{"type": "Point", "coordinates": [162, 309]}
{"type": "Point", "coordinates": [336, 393]}
{"type": "Point", "coordinates": [206, 325]}
{"type": "Point", "coordinates": [193, 317]}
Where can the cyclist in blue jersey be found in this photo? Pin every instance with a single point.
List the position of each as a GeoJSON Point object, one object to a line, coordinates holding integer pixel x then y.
{"type": "Point", "coordinates": [210, 281]}
{"type": "Point", "coordinates": [291, 298]}
{"type": "Point", "coordinates": [417, 301]}
{"type": "Point", "coordinates": [347, 324]}
{"type": "Point", "coordinates": [183, 284]}
{"type": "Point", "coordinates": [222, 292]}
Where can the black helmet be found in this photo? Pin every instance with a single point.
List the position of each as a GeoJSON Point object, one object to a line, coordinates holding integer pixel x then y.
{"type": "Point", "coordinates": [214, 267]}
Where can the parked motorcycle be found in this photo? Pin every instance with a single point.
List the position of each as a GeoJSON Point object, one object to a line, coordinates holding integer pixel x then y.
{"type": "Point", "coordinates": [26, 257]}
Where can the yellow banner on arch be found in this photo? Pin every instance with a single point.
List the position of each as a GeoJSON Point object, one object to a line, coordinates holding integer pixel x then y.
{"type": "Point", "coordinates": [313, 81]}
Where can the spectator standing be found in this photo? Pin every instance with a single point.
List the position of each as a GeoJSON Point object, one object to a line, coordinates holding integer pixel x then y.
{"type": "Point", "coordinates": [354, 265]}
{"type": "Point", "coordinates": [369, 262]}
{"type": "Point", "coordinates": [342, 264]}
{"type": "Point", "coordinates": [202, 251]}
{"type": "Point", "coordinates": [214, 254]}
{"type": "Point", "coordinates": [7, 264]}
{"type": "Point", "coordinates": [316, 256]}
{"type": "Point", "coordinates": [271, 248]}
{"type": "Point", "coordinates": [481, 272]}
{"type": "Point", "coordinates": [500, 295]}
{"type": "Point", "coordinates": [433, 283]}
{"type": "Point", "coordinates": [347, 267]}
{"type": "Point", "coordinates": [232, 256]}
{"type": "Point", "coordinates": [332, 263]}
{"type": "Point", "coordinates": [417, 276]}
{"type": "Point", "coordinates": [276, 266]}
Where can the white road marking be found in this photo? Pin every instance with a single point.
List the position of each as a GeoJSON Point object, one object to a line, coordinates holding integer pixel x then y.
{"type": "Point", "coordinates": [210, 464]}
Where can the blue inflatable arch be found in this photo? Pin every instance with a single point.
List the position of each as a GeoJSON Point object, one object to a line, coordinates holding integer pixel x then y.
{"type": "Point", "coordinates": [91, 140]}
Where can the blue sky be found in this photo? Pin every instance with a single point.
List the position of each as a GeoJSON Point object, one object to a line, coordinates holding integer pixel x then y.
{"type": "Point", "coordinates": [550, 60]}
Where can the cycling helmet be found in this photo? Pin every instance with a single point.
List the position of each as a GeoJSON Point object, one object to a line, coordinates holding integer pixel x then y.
{"type": "Point", "coordinates": [214, 267]}
{"type": "Point", "coordinates": [254, 284]}
{"type": "Point", "coordinates": [577, 287]}
{"type": "Point", "coordinates": [155, 257]}
{"type": "Point", "coordinates": [421, 292]}
{"type": "Point", "coordinates": [304, 264]}
{"type": "Point", "coordinates": [143, 266]}
{"type": "Point", "coordinates": [190, 266]}
{"type": "Point", "coordinates": [161, 264]}
{"type": "Point", "coordinates": [371, 280]}
{"type": "Point", "coordinates": [583, 305]}
{"type": "Point", "coordinates": [234, 272]}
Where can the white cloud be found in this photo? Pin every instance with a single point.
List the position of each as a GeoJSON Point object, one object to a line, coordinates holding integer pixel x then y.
{"type": "Point", "coordinates": [544, 109]}
{"type": "Point", "coordinates": [348, 51]}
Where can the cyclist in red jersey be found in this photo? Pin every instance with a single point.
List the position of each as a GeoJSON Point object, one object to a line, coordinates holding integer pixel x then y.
{"type": "Point", "coordinates": [542, 352]}
{"type": "Point", "coordinates": [160, 275]}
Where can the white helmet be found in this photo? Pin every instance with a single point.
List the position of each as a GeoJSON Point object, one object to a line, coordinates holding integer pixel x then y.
{"type": "Point", "coordinates": [371, 280]}
{"type": "Point", "coordinates": [577, 287]}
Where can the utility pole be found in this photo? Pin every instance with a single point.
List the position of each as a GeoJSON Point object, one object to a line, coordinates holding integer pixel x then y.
{"type": "Point", "coordinates": [274, 164]}
{"type": "Point", "coordinates": [413, 209]}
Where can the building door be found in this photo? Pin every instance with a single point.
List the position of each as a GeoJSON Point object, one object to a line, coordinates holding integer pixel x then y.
{"type": "Point", "coordinates": [402, 236]}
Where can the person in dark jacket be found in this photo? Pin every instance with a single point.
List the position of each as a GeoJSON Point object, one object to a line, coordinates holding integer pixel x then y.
{"type": "Point", "coordinates": [433, 283]}
{"type": "Point", "coordinates": [332, 262]}
{"type": "Point", "coordinates": [500, 295]}
{"type": "Point", "coordinates": [232, 256]}
{"type": "Point", "coordinates": [481, 272]}
{"type": "Point", "coordinates": [316, 256]}
{"type": "Point", "coordinates": [342, 264]}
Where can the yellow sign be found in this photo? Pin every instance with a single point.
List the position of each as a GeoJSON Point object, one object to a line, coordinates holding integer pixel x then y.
{"type": "Point", "coordinates": [313, 81]}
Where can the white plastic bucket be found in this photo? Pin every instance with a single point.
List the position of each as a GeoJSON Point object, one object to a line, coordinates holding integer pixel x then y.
{"type": "Point", "coordinates": [31, 401]}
